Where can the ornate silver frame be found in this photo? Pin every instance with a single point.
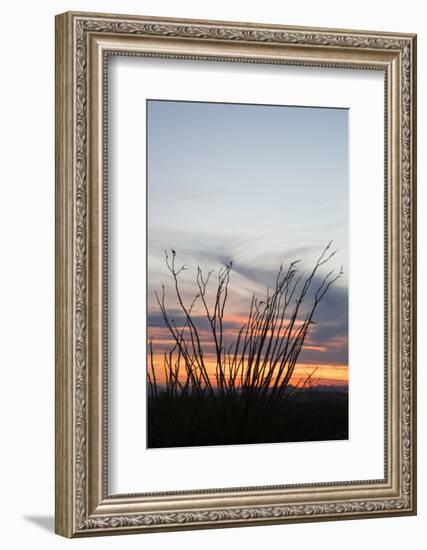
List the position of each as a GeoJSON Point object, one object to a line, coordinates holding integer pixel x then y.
{"type": "Point", "coordinates": [83, 505]}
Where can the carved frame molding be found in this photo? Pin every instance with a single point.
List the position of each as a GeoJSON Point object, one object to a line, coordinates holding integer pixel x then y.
{"type": "Point", "coordinates": [83, 42]}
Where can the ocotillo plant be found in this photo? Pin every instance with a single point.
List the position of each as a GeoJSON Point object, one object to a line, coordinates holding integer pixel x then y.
{"type": "Point", "coordinates": [252, 376]}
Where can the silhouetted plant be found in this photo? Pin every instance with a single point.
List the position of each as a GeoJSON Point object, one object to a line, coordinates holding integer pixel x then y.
{"type": "Point", "coordinates": [251, 383]}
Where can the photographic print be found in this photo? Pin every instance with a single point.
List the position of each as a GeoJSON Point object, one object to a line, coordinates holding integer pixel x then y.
{"type": "Point", "coordinates": [247, 330]}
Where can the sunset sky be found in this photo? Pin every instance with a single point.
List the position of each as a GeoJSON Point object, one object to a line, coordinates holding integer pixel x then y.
{"type": "Point", "coordinates": [258, 185]}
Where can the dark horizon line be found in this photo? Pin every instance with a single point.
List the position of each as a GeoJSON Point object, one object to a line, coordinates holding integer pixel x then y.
{"type": "Point", "coordinates": [327, 388]}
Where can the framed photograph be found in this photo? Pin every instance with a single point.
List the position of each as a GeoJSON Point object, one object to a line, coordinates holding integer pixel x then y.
{"type": "Point", "coordinates": [235, 274]}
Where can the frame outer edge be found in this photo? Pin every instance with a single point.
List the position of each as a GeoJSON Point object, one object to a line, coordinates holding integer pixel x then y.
{"type": "Point", "coordinates": [232, 24]}
{"type": "Point", "coordinates": [413, 160]}
{"type": "Point", "coordinates": [64, 390]}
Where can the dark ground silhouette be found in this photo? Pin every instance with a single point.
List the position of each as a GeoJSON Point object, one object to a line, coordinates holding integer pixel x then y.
{"type": "Point", "coordinates": [316, 415]}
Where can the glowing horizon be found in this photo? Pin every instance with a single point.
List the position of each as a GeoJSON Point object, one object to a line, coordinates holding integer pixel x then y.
{"type": "Point", "coordinates": [324, 375]}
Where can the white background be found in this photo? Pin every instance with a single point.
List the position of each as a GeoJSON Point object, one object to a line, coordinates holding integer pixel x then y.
{"type": "Point", "coordinates": [27, 275]}
{"type": "Point", "coordinates": [133, 468]}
